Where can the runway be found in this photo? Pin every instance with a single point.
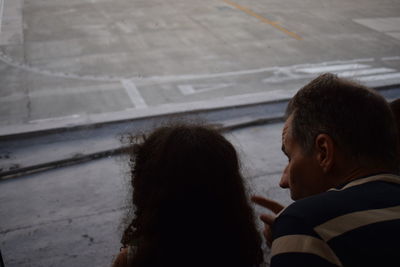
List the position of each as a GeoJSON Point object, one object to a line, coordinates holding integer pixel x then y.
{"type": "Point", "coordinates": [70, 62]}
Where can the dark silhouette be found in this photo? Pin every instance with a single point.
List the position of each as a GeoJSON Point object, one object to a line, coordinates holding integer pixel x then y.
{"type": "Point", "coordinates": [341, 142]}
{"type": "Point", "coordinates": [395, 106]}
{"type": "Point", "coordinates": [1, 260]}
{"type": "Point", "coordinates": [191, 208]}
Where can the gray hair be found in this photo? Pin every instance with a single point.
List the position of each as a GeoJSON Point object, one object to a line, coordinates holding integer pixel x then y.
{"type": "Point", "coordinates": [357, 118]}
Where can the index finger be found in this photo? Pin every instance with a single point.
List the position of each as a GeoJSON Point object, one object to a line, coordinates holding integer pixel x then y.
{"type": "Point", "coordinates": [267, 203]}
{"type": "Point", "coordinates": [267, 219]}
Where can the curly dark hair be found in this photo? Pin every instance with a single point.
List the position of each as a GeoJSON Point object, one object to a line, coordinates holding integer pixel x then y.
{"type": "Point", "coordinates": [191, 207]}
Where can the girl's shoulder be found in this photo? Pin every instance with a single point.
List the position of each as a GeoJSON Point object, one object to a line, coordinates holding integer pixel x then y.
{"type": "Point", "coordinates": [122, 258]}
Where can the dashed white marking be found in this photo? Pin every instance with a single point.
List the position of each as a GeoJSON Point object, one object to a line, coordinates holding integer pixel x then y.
{"type": "Point", "coordinates": [347, 74]}
{"type": "Point", "coordinates": [188, 89]}
{"type": "Point", "coordinates": [333, 68]}
{"type": "Point", "coordinates": [133, 93]}
{"type": "Point", "coordinates": [380, 77]}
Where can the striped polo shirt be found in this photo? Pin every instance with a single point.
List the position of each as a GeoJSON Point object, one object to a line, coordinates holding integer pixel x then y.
{"type": "Point", "coordinates": [357, 224]}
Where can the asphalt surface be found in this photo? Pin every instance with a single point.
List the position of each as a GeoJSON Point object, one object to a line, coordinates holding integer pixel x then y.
{"type": "Point", "coordinates": [75, 75]}
{"type": "Point", "coordinates": [73, 216]}
{"type": "Point", "coordinates": [72, 62]}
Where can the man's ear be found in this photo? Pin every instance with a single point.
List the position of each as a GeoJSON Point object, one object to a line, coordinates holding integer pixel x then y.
{"type": "Point", "coordinates": [325, 151]}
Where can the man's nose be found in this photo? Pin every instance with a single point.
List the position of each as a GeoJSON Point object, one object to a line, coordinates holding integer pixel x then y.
{"type": "Point", "coordinates": [284, 182]}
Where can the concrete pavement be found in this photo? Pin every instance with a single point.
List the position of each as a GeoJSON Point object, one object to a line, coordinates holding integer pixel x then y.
{"type": "Point", "coordinates": [72, 216]}
{"type": "Point", "coordinates": [76, 74]}
{"type": "Point", "coordinates": [74, 62]}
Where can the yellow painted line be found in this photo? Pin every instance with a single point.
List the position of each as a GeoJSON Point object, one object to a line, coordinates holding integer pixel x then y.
{"type": "Point", "coordinates": [265, 20]}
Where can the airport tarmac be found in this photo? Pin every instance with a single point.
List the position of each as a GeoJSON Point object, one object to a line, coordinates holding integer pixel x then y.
{"type": "Point", "coordinates": [73, 216]}
{"type": "Point", "coordinates": [77, 61]}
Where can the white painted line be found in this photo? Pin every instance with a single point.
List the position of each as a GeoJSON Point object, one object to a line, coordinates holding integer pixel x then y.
{"type": "Point", "coordinates": [391, 58]}
{"type": "Point", "coordinates": [1, 13]}
{"type": "Point", "coordinates": [80, 90]}
{"type": "Point", "coordinates": [286, 74]}
{"type": "Point", "coordinates": [134, 94]}
{"type": "Point", "coordinates": [188, 89]}
{"type": "Point", "coordinates": [381, 24]}
{"type": "Point", "coordinates": [333, 68]}
{"type": "Point", "coordinates": [380, 77]}
{"type": "Point", "coordinates": [74, 116]}
{"type": "Point", "coordinates": [347, 74]}
{"type": "Point", "coordinates": [395, 35]}
{"type": "Point", "coordinates": [124, 27]}
{"type": "Point", "coordinates": [176, 78]}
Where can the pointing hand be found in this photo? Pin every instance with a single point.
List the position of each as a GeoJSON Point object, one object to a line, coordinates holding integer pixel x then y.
{"type": "Point", "coordinates": [268, 219]}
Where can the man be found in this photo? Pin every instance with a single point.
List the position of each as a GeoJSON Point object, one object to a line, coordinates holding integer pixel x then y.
{"type": "Point", "coordinates": [395, 107]}
{"type": "Point", "coordinates": [341, 143]}
{"type": "Point", "coordinates": [1, 260]}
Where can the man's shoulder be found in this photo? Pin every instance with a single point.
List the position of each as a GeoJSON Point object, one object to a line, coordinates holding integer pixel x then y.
{"type": "Point", "coordinates": [358, 196]}
{"type": "Point", "coordinates": [314, 208]}
{"type": "Point", "coordinates": [356, 223]}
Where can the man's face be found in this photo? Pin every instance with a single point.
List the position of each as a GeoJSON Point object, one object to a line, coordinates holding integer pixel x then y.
{"type": "Point", "coordinates": [302, 175]}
